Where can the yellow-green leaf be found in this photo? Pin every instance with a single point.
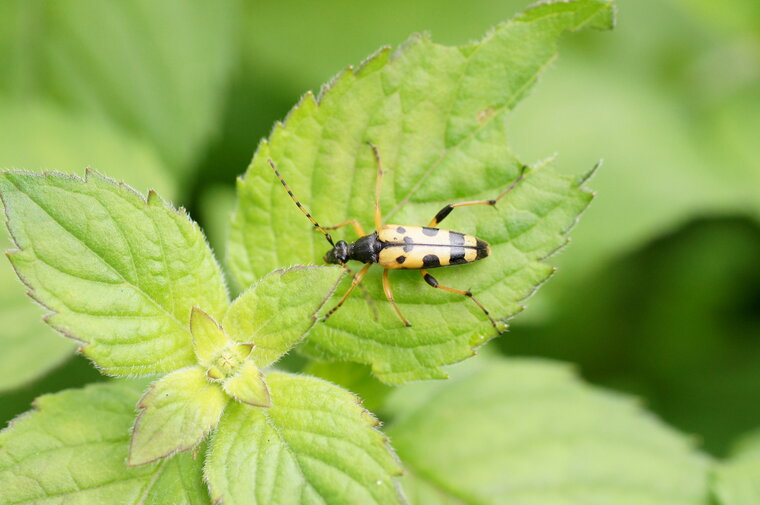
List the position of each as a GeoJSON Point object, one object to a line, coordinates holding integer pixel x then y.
{"type": "Point", "coordinates": [176, 413]}
{"type": "Point", "coordinates": [38, 135]}
{"type": "Point", "coordinates": [316, 444]}
{"type": "Point", "coordinates": [73, 449]}
{"type": "Point", "coordinates": [737, 480]}
{"type": "Point", "coordinates": [208, 337]}
{"type": "Point", "coordinates": [276, 313]}
{"type": "Point", "coordinates": [506, 432]}
{"type": "Point", "coordinates": [119, 273]}
{"type": "Point", "coordinates": [248, 386]}
{"type": "Point", "coordinates": [156, 69]}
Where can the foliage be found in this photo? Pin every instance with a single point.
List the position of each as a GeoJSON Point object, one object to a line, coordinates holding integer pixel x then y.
{"type": "Point", "coordinates": [736, 480]}
{"type": "Point", "coordinates": [176, 65]}
{"type": "Point", "coordinates": [90, 428]}
{"type": "Point", "coordinates": [528, 431]}
{"type": "Point", "coordinates": [71, 142]}
{"type": "Point", "coordinates": [436, 115]}
{"type": "Point", "coordinates": [689, 344]}
{"type": "Point", "coordinates": [136, 91]}
{"type": "Point", "coordinates": [136, 282]}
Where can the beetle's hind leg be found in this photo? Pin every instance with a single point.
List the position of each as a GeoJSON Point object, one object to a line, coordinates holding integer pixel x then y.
{"type": "Point", "coordinates": [447, 209]}
{"type": "Point", "coordinates": [434, 282]}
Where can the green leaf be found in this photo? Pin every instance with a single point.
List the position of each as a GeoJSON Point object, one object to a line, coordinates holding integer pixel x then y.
{"type": "Point", "coordinates": [689, 79]}
{"type": "Point", "coordinates": [29, 349]}
{"type": "Point", "coordinates": [156, 69]}
{"type": "Point", "coordinates": [176, 414]}
{"type": "Point", "coordinates": [120, 273]}
{"type": "Point", "coordinates": [651, 341]}
{"type": "Point", "coordinates": [529, 432]}
{"type": "Point", "coordinates": [437, 115]}
{"type": "Point", "coordinates": [71, 142]}
{"type": "Point", "coordinates": [248, 386]}
{"type": "Point", "coordinates": [216, 352]}
{"type": "Point", "coordinates": [208, 337]}
{"type": "Point", "coordinates": [73, 448]}
{"type": "Point", "coordinates": [277, 312]}
{"type": "Point", "coordinates": [737, 481]}
{"type": "Point", "coordinates": [315, 445]}
{"type": "Point", "coordinates": [356, 378]}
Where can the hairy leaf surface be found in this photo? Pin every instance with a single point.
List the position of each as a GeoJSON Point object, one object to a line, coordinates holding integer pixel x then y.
{"type": "Point", "coordinates": [356, 378]}
{"type": "Point", "coordinates": [276, 313]}
{"type": "Point", "coordinates": [72, 450]}
{"type": "Point", "coordinates": [71, 143]}
{"type": "Point", "coordinates": [248, 386]}
{"type": "Point", "coordinates": [436, 114]}
{"type": "Point", "coordinates": [208, 337]}
{"type": "Point", "coordinates": [120, 273]}
{"type": "Point", "coordinates": [176, 413]}
{"type": "Point", "coordinates": [29, 348]}
{"type": "Point", "coordinates": [316, 444]}
{"type": "Point", "coordinates": [529, 432]}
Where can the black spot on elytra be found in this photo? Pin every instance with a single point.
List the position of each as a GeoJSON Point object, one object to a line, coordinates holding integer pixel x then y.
{"type": "Point", "coordinates": [401, 259]}
{"type": "Point", "coordinates": [431, 261]}
{"type": "Point", "coordinates": [457, 256]}
{"type": "Point", "coordinates": [401, 229]}
{"type": "Point", "coordinates": [430, 232]}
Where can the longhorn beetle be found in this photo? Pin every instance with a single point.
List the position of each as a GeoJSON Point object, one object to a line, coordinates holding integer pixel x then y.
{"type": "Point", "coordinates": [396, 247]}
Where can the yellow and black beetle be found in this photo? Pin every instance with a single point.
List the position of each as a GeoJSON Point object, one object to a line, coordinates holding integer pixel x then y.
{"type": "Point", "coordinates": [396, 247]}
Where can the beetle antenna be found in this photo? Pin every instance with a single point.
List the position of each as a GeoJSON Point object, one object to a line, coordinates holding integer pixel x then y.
{"type": "Point", "coordinates": [298, 204]}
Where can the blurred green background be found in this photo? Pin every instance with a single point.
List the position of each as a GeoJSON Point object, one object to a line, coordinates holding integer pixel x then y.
{"type": "Point", "coordinates": [659, 292]}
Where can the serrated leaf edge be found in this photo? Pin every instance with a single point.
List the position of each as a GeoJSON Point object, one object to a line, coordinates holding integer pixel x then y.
{"type": "Point", "coordinates": [142, 408]}
{"type": "Point", "coordinates": [314, 316]}
{"type": "Point", "coordinates": [367, 418]}
{"type": "Point", "coordinates": [152, 199]}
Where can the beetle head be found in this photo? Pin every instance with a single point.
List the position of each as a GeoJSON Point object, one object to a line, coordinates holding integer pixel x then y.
{"type": "Point", "coordinates": [338, 255]}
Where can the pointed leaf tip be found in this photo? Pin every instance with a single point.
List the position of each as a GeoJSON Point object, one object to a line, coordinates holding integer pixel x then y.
{"type": "Point", "coordinates": [279, 310]}
{"type": "Point", "coordinates": [74, 447]}
{"type": "Point", "coordinates": [176, 414]}
{"type": "Point", "coordinates": [208, 336]}
{"type": "Point", "coordinates": [98, 257]}
{"type": "Point", "coordinates": [248, 386]}
{"type": "Point", "coordinates": [315, 441]}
